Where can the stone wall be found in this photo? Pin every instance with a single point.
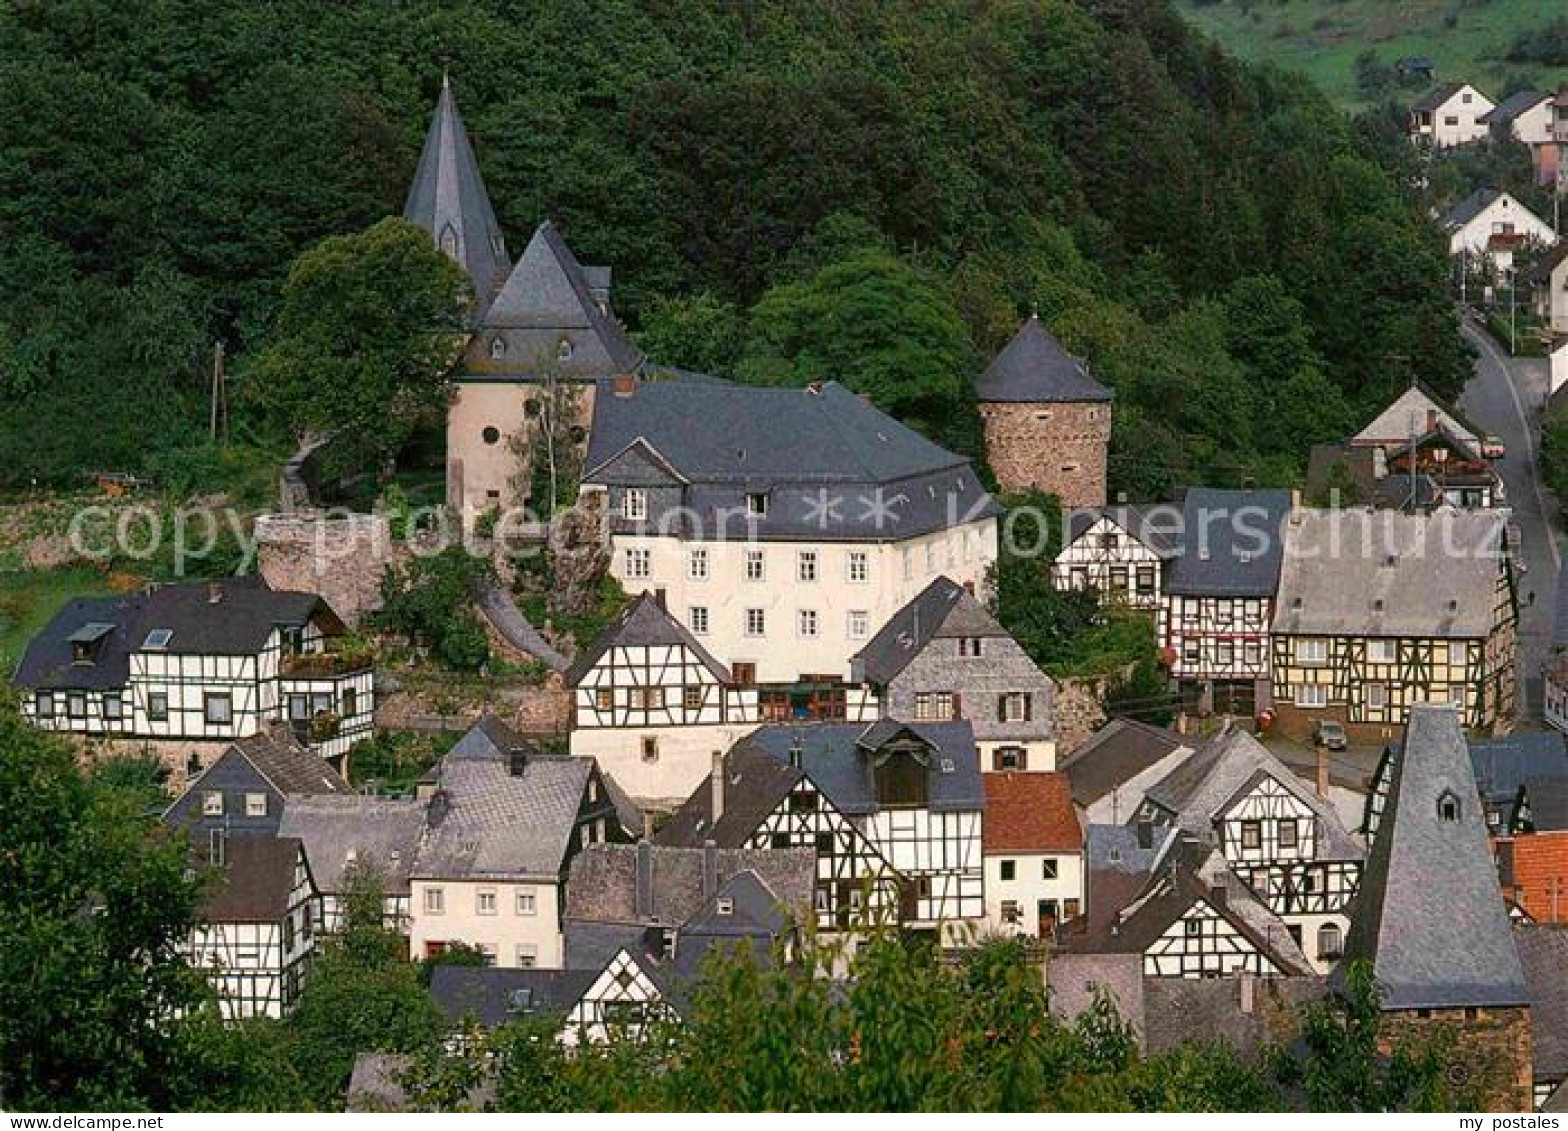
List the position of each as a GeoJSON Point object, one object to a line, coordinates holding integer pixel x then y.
{"type": "Point", "coordinates": [1492, 1049]}
{"type": "Point", "coordinates": [1061, 449]}
{"type": "Point", "coordinates": [1079, 711]}
{"type": "Point", "coordinates": [342, 558]}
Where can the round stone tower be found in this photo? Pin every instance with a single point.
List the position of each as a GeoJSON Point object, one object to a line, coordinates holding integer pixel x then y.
{"type": "Point", "coordinates": [1047, 421]}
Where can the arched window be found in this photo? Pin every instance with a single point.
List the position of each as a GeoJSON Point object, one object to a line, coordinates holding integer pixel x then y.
{"type": "Point", "coordinates": [1331, 944]}
{"type": "Point", "coordinates": [449, 240]}
{"type": "Point", "coordinates": [1448, 806]}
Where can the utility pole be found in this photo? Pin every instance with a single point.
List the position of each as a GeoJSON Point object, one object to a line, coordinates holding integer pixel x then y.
{"type": "Point", "coordinates": [219, 407]}
{"type": "Point", "coordinates": [1513, 284]}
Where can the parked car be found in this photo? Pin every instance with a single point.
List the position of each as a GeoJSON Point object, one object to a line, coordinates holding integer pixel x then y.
{"type": "Point", "coordinates": [1493, 447]}
{"type": "Point", "coordinates": [1330, 735]}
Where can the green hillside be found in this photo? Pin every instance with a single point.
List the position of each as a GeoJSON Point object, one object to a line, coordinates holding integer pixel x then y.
{"type": "Point", "coordinates": [1467, 39]}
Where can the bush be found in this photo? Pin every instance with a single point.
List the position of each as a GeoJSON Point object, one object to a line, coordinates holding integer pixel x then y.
{"type": "Point", "coordinates": [430, 602]}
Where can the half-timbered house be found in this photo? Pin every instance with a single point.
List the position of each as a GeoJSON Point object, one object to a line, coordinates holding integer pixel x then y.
{"type": "Point", "coordinates": [1192, 917]}
{"type": "Point", "coordinates": [255, 929]}
{"type": "Point", "coordinates": [243, 792]}
{"type": "Point", "coordinates": [198, 664]}
{"type": "Point", "coordinates": [1379, 611]}
{"type": "Point", "coordinates": [354, 836]}
{"type": "Point", "coordinates": [1287, 844]}
{"type": "Point", "coordinates": [1219, 598]}
{"type": "Point", "coordinates": [1119, 552]}
{"type": "Point", "coordinates": [1033, 848]}
{"type": "Point", "coordinates": [651, 704]}
{"type": "Point", "coordinates": [944, 656]}
{"type": "Point", "coordinates": [893, 811]}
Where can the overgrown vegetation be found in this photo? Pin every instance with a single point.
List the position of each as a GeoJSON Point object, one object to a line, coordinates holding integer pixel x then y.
{"type": "Point", "coordinates": [391, 761]}
{"type": "Point", "coordinates": [430, 600]}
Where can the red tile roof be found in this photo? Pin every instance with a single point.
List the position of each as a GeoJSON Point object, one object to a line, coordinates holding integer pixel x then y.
{"type": "Point", "coordinates": [1536, 874]}
{"type": "Point", "coordinates": [1030, 812]}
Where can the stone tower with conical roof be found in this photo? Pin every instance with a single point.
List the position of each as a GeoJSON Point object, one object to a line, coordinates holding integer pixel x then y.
{"type": "Point", "coordinates": [448, 199]}
{"type": "Point", "coordinates": [1047, 421]}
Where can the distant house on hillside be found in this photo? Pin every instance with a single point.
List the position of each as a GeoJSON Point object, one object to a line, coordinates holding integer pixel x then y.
{"type": "Point", "coordinates": [1528, 117]}
{"type": "Point", "coordinates": [1415, 67]}
{"type": "Point", "coordinates": [1449, 115]}
{"type": "Point", "coordinates": [1489, 226]}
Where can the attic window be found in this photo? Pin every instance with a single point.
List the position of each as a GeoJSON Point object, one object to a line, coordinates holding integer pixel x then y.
{"type": "Point", "coordinates": [724, 906]}
{"type": "Point", "coordinates": [497, 348]}
{"type": "Point", "coordinates": [158, 639]}
{"type": "Point", "coordinates": [757, 504]}
{"type": "Point", "coordinates": [563, 350]}
{"type": "Point", "coordinates": [1448, 807]}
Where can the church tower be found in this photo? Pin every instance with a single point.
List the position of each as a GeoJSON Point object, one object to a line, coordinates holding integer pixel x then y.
{"type": "Point", "coordinates": [1047, 421]}
{"type": "Point", "coordinates": [449, 201]}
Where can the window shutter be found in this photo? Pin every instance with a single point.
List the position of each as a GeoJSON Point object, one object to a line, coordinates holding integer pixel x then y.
{"type": "Point", "coordinates": [958, 705]}
{"type": "Point", "coordinates": [996, 759]}
{"type": "Point", "coordinates": [1028, 707]}
{"type": "Point", "coordinates": [1023, 757]}
{"type": "Point", "coordinates": [1001, 708]}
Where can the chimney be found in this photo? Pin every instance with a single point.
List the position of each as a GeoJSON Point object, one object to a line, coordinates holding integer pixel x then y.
{"type": "Point", "coordinates": [1323, 772]}
{"type": "Point", "coordinates": [516, 761]}
{"type": "Point", "coordinates": [1217, 895]}
{"type": "Point", "coordinates": [716, 784]}
{"type": "Point", "coordinates": [1145, 835]}
{"type": "Point", "coordinates": [623, 384]}
{"type": "Point", "coordinates": [710, 869]}
{"type": "Point", "coordinates": [1249, 989]}
{"type": "Point", "coordinates": [661, 598]}
{"type": "Point", "coordinates": [214, 592]}
{"type": "Point", "coordinates": [644, 881]}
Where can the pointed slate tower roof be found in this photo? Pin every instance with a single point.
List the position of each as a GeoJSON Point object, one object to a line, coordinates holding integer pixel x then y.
{"type": "Point", "coordinates": [1034, 368]}
{"type": "Point", "coordinates": [550, 297]}
{"type": "Point", "coordinates": [1430, 914]}
{"type": "Point", "coordinates": [449, 201]}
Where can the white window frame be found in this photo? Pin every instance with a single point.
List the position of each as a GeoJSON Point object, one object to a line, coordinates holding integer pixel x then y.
{"type": "Point", "coordinates": [212, 803]}
{"type": "Point", "coordinates": [1311, 650]}
{"type": "Point", "coordinates": [756, 565]}
{"type": "Point", "coordinates": [858, 569]}
{"type": "Point", "coordinates": [697, 617]}
{"type": "Point", "coordinates": [527, 955]}
{"type": "Point", "coordinates": [1382, 651]}
{"type": "Point", "coordinates": [639, 563]}
{"type": "Point", "coordinates": [486, 902]}
{"type": "Point", "coordinates": [1311, 695]}
{"type": "Point", "coordinates": [858, 624]}
{"type": "Point", "coordinates": [756, 622]}
{"type": "Point", "coordinates": [634, 504]}
{"type": "Point", "coordinates": [808, 624]}
{"type": "Point", "coordinates": [435, 901]}
{"type": "Point", "coordinates": [255, 804]}
{"type": "Point", "coordinates": [806, 565]}
{"type": "Point", "coordinates": [757, 504]}
{"type": "Point", "coordinates": [697, 563]}
{"type": "Point", "coordinates": [527, 904]}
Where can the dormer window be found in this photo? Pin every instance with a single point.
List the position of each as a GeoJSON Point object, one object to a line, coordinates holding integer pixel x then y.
{"type": "Point", "coordinates": [757, 504]}
{"type": "Point", "coordinates": [449, 240]}
{"type": "Point", "coordinates": [563, 350]}
{"type": "Point", "coordinates": [902, 781]}
{"type": "Point", "coordinates": [724, 906]}
{"type": "Point", "coordinates": [1448, 807]}
{"type": "Point", "coordinates": [634, 504]}
{"type": "Point", "coordinates": [497, 348]}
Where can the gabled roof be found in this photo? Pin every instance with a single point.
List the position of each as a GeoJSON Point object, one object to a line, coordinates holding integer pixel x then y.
{"type": "Point", "coordinates": [1438, 95]}
{"type": "Point", "coordinates": [285, 763]}
{"type": "Point", "coordinates": [1200, 790]}
{"type": "Point", "coordinates": [1233, 543]}
{"type": "Point", "coordinates": [1033, 368]}
{"type": "Point", "coordinates": [496, 816]}
{"type": "Point", "coordinates": [1502, 765]}
{"type": "Point", "coordinates": [1551, 259]}
{"type": "Point", "coordinates": [448, 199]}
{"type": "Point", "coordinates": [643, 624]}
{"type": "Point", "coordinates": [493, 996]}
{"type": "Point", "coordinates": [345, 831]}
{"type": "Point", "coordinates": [1470, 207]}
{"type": "Point", "coordinates": [253, 883]}
{"type": "Point", "coordinates": [549, 290]}
{"type": "Point", "coordinates": [1385, 573]}
{"type": "Point", "coordinates": [1429, 913]}
{"type": "Point", "coordinates": [228, 617]}
{"type": "Point", "coordinates": [1359, 464]}
{"type": "Point", "coordinates": [942, 609]}
{"type": "Point", "coordinates": [1030, 813]}
{"type": "Point", "coordinates": [1158, 526]}
{"type": "Point", "coordinates": [1411, 411]}
{"type": "Point", "coordinates": [1511, 107]}
{"type": "Point", "coordinates": [1114, 755]}
{"type": "Point", "coordinates": [1543, 951]}
{"type": "Point", "coordinates": [1548, 801]}
{"type": "Point", "coordinates": [633, 886]}
{"type": "Point", "coordinates": [831, 465]}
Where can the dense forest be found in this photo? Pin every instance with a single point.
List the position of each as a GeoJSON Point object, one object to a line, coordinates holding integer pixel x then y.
{"type": "Point", "coordinates": [786, 189]}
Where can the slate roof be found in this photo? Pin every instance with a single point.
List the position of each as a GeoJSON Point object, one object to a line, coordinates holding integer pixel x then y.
{"type": "Point", "coordinates": [1560, 611]}
{"type": "Point", "coordinates": [643, 623]}
{"type": "Point", "coordinates": [1385, 573]}
{"type": "Point", "coordinates": [1548, 799]}
{"type": "Point", "coordinates": [1502, 765]}
{"type": "Point", "coordinates": [1438, 95]}
{"type": "Point", "coordinates": [760, 771]}
{"type": "Point", "coordinates": [1158, 525]}
{"type": "Point", "coordinates": [1550, 259]}
{"type": "Point", "coordinates": [804, 448]}
{"type": "Point", "coordinates": [1420, 492]}
{"type": "Point", "coordinates": [1034, 368]}
{"type": "Point", "coordinates": [492, 996]}
{"type": "Point", "coordinates": [1425, 875]}
{"type": "Point", "coordinates": [1469, 208]}
{"type": "Point", "coordinates": [382, 833]}
{"type": "Point", "coordinates": [287, 764]}
{"type": "Point", "coordinates": [448, 193]}
{"type": "Point", "coordinates": [942, 609]}
{"type": "Point", "coordinates": [253, 883]}
{"type": "Point", "coordinates": [1031, 813]}
{"type": "Point", "coordinates": [1511, 107]}
{"type": "Point", "coordinates": [622, 888]}
{"type": "Point", "coordinates": [1115, 754]}
{"type": "Point", "coordinates": [1118, 861]}
{"type": "Point", "coordinates": [237, 624]}
{"type": "Point", "coordinates": [1178, 1011]}
{"type": "Point", "coordinates": [1232, 543]}
{"type": "Point", "coordinates": [1543, 952]}
{"type": "Point", "coordinates": [487, 822]}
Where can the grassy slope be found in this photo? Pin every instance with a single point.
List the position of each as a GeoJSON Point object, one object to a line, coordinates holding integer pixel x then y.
{"type": "Point", "coordinates": [28, 600]}
{"type": "Point", "coordinates": [1321, 38]}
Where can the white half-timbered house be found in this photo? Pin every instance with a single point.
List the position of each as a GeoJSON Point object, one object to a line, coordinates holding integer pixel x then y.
{"type": "Point", "coordinates": [651, 704]}
{"type": "Point", "coordinates": [199, 663]}
{"type": "Point", "coordinates": [255, 930]}
{"type": "Point", "coordinates": [1190, 918]}
{"type": "Point", "coordinates": [1282, 840]}
{"type": "Point", "coordinates": [944, 656]}
{"type": "Point", "coordinates": [1380, 611]}
{"type": "Point", "coordinates": [1219, 599]}
{"type": "Point", "coordinates": [1120, 553]}
{"type": "Point", "coordinates": [893, 811]}
{"type": "Point", "coordinates": [355, 835]}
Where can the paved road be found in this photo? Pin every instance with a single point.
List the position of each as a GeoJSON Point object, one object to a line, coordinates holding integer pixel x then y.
{"type": "Point", "coordinates": [1505, 397]}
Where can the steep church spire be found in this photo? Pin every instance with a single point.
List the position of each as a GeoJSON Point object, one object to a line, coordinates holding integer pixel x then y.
{"type": "Point", "coordinates": [449, 201]}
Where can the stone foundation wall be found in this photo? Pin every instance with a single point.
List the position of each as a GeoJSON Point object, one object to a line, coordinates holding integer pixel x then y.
{"type": "Point", "coordinates": [1492, 1049]}
{"type": "Point", "coordinates": [1061, 449]}
{"type": "Point", "coordinates": [1080, 711]}
{"type": "Point", "coordinates": [173, 754]}
{"type": "Point", "coordinates": [341, 558]}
